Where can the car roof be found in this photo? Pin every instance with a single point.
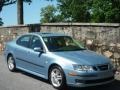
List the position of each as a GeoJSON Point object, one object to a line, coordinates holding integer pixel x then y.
{"type": "Point", "coordinates": [48, 34]}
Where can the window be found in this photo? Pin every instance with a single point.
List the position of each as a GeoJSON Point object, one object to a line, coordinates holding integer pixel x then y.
{"type": "Point", "coordinates": [35, 42]}
{"type": "Point", "coordinates": [24, 41]}
{"type": "Point", "coordinates": [62, 43]}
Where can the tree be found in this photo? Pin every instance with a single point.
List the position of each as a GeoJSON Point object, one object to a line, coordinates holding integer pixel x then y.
{"type": "Point", "coordinates": [67, 10]}
{"type": "Point", "coordinates": [6, 2]}
{"type": "Point", "coordinates": [20, 10]}
{"type": "Point", "coordinates": [90, 10]}
{"type": "Point", "coordinates": [105, 11]}
{"type": "Point", "coordinates": [74, 10]}
{"type": "Point", "coordinates": [49, 14]}
{"type": "Point", "coordinates": [19, 7]}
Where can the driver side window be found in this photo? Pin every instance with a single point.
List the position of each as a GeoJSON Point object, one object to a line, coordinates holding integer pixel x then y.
{"type": "Point", "coordinates": [35, 42]}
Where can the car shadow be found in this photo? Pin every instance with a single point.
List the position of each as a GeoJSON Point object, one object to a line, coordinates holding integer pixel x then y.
{"type": "Point", "coordinates": [111, 86]}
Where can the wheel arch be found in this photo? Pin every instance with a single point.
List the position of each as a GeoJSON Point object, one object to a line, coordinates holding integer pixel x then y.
{"type": "Point", "coordinates": [55, 64]}
{"type": "Point", "coordinates": [64, 83]}
{"type": "Point", "coordinates": [9, 54]}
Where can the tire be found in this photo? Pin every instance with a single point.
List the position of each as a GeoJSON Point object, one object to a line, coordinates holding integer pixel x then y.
{"type": "Point", "coordinates": [11, 63]}
{"type": "Point", "coordinates": [57, 78]}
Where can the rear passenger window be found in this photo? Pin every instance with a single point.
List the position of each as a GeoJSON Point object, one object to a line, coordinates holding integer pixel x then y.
{"type": "Point", "coordinates": [24, 41]}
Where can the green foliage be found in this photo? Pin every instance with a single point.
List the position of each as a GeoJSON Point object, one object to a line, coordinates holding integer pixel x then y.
{"type": "Point", "coordinates": [74, 10]}
{"type": "Point", "coordinates": [105, 11]}
{"type": "Point", "coordinates": [89, 11]}
{"type": "Point", "coordinates": [68, 10]}
{"type": "Point", "coordinates": [49, 15]}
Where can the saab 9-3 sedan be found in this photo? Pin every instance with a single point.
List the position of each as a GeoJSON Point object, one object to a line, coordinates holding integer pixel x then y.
{"type": "Point", "coordinates": [59, 59]}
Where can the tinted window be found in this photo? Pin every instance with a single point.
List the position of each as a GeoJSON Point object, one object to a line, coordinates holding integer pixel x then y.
{"type": "Point", "coordinates": [35, 42]}
{"type": "Point", "coordinates": [62, 43]}
{"type": "Point", "coordinates": [24, 41]}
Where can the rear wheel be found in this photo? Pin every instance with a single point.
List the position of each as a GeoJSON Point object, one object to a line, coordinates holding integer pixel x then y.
{"type": "Point", "coordinates": [57, 77]}
{"type": "Point", "coordinates": [11, 63]}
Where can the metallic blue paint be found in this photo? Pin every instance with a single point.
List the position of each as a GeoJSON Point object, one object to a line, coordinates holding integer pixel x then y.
{"type": "Point", "coordinates": [28, 60]}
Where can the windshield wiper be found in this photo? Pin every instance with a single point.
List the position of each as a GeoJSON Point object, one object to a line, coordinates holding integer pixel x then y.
{"type": "Point", "coordinates": [79, 49]}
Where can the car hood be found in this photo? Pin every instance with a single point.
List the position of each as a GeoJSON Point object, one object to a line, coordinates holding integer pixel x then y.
{"type": "Point", "coordinates": [84, 57]}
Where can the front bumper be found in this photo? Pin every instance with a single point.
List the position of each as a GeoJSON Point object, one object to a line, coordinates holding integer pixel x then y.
{"type": "Point", "coordinates": [85, 79]}
{"type": "Point", "coordinates": [87, 83]}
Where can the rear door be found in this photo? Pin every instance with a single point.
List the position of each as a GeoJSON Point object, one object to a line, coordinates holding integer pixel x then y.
{"type": "Point", "coordinates": [22, 50]}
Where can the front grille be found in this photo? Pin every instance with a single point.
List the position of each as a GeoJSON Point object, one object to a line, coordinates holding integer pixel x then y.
{"type": "Point", "coordinates": [94, 81]}
{"type": "Point", "coordinates": [103, 67]}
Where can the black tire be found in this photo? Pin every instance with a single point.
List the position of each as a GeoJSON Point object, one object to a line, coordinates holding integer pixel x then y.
{"type": "Point", "coordinates": [11, 63]}
{"type": "Point", "coordinates": [59, 78]}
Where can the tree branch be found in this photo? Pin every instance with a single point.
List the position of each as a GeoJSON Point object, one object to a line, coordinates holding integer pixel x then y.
{"type": "Point", "coordinates": [8, 3]}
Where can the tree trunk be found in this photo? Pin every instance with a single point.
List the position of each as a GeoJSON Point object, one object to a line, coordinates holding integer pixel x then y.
{"type": "Point", "coordinates": [20, 12]}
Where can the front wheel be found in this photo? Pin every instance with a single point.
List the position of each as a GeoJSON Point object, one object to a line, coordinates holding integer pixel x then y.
{"type": "Point", "coordinates": [57, 77]}
{"type": "Point", "coordinates": [11, 63]}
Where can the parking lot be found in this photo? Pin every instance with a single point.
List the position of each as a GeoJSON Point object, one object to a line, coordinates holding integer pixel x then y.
{"type": "Point", "coordinates": [24, 81]}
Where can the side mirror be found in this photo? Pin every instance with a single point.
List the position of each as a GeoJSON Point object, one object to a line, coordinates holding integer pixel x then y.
{"type": "Point", "coordinates": [38, 49]}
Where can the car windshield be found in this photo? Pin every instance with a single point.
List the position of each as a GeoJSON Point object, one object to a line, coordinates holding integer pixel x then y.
{"type": "Point", "coordinates": [62, 43]}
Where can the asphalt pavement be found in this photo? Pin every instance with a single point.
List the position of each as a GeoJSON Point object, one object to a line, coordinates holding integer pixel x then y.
{"type": "Point", "coordinates": [23, 81]}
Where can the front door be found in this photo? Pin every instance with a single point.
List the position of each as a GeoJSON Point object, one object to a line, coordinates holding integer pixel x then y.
{"type": "Point", "coordinates": [36, 58]}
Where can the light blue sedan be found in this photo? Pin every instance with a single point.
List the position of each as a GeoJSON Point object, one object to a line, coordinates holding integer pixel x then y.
{"type": "Point", "coordinates": [58, 58]}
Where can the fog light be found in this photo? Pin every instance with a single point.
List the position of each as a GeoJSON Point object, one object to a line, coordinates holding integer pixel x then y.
{"type": "Point", "coordinates": [72, 74]}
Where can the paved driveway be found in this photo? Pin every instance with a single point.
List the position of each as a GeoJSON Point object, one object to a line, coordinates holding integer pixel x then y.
{"type": "Point", "coordinates": [24, 81]}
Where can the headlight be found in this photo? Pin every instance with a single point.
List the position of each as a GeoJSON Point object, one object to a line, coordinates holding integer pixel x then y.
{"type": "Point", "coordinates": [82, 67]}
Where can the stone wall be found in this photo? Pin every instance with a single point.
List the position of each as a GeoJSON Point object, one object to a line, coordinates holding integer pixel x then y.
{"type": "Point", "coordinates": [97, 31]}
{"type": "Point", "coordinates": [103, 38]}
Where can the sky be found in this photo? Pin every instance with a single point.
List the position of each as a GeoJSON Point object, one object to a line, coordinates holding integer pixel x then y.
{"type": "Point", "coordinates": [31, 12]}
